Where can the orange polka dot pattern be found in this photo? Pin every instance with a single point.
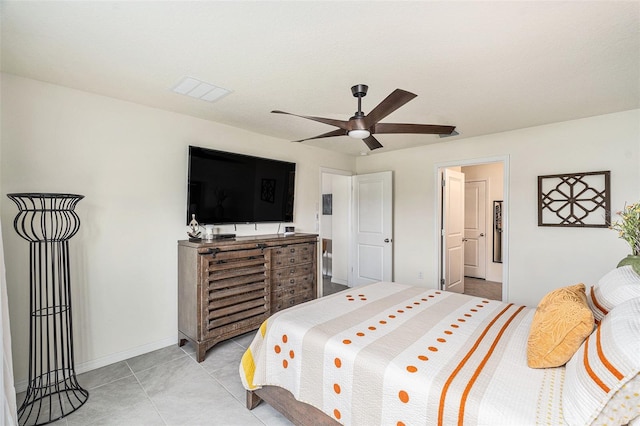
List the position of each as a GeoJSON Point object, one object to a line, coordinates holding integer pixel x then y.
{"type": "Point", "coordinates": [403, 395]}
{"type": "Point", "coordinates": [287, 355]}
{"type": "Point", "coordinates": [352, 298]}
{"type": "Point", "coordinates": [337, 362]}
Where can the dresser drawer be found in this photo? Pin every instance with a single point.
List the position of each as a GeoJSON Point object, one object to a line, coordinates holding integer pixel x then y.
{"type": "Point", "coordinates": [287, 301]}
{"type": "Point", "coordinates": [292, 271]}
{"type": "Point", "coordinates": [292, 255]}
{"type": "Point", "coordinates": [302, 281]}
{"type": "Point", "coordinates": [293, 290]}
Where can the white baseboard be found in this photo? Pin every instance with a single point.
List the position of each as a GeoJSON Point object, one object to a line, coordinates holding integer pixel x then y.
{"type": "Point", "coordinates": [83, 367]}
{"type": "Point", "coordinates": [339, 281]}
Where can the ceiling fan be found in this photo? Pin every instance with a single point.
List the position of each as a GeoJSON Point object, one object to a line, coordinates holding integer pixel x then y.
{"type": "Point", "coordinates": [362, 126]}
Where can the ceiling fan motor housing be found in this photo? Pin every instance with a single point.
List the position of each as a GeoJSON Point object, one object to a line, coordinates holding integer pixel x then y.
{"type": "Point", "coordinates": [359, 90]}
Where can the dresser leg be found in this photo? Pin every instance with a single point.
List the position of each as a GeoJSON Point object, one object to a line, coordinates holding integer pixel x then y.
{"type": "Point", "coordinates": [182, 342]}
{"type": "Point", "coordinates": [202, 349]}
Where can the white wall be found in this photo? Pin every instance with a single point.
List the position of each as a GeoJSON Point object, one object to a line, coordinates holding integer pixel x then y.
{"type": "Point", "coordinates": [341, 229]}
{"type": "Point", "coordinates": [130, 162]}
{"type": "Point", "coordinates": [540, 258]}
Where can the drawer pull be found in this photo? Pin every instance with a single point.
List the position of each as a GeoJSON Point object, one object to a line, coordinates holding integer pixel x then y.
{"type": "Point", "coordinates": [292, 250]}
{"type": "Point", "coordinates": [292, 291]}
{"type": "Point", "coordinates": [214, 251]}
{"type": "Point", "coordinates": [293, 271]}
{"type": "Point", "coordinates": [293, 260]}
{"type": "Point", "coordinates": [292, 280]}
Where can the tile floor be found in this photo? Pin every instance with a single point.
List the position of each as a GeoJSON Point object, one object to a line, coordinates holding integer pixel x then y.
{"type": "Point", "coordinates": [482, 288]}
{"type": "Point", "coordinates": [329, 287]}
{"type": "Point", "coordinates": [168, 387]}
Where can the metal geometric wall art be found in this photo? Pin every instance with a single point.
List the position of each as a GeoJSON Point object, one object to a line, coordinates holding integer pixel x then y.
{"type": "Point", "coordinates": [575, 200]}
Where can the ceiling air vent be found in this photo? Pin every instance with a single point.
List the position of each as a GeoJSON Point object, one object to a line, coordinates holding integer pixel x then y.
{"type": "Point", "coordinates": [195, 88]}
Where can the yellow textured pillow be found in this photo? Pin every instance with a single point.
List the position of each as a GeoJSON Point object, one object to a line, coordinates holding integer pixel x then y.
{"type": "Point", "coordinates": [560, 324]}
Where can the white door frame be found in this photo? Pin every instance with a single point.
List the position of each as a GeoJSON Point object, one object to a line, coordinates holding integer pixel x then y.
{"type": "Point", "coordinates": [319, 224]}
{"type": "Point", "coordinates": [504, 159]}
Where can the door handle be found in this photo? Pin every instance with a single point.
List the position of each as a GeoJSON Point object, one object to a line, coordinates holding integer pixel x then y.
{"type": "Point", "coordinates": [482, 234]}
{"type": "Point", "coordinates": [387, 240]}
{"type": "Point", "coordinates": [464, 240]}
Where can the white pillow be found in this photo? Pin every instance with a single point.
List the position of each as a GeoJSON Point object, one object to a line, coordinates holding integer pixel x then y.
{"type": "Point", "coordinates": [614, 288]}
{"type": "Point", "coordinates": [607, 361]}
{"type": "Point", "coordinates": [623, 407]}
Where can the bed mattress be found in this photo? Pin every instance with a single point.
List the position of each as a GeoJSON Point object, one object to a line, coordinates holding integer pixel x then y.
{"type": "Point", "coordinates": [392, 354]}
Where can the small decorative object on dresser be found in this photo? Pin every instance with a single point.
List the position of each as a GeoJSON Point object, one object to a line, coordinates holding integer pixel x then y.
{"type": "Point", "coordinates": [227, 287]}
{"type": "Point", "coordinates": [194, 229]}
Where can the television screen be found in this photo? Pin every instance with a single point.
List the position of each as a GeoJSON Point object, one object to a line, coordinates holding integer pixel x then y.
{"type": "Point", "coordinates": [226, 188]}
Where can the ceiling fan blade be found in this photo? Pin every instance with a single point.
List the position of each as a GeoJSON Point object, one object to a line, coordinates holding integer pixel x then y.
{"type": "Point", "coordinates": [338, 123]}
{"type": "Point", "coordinates": [372, 143]}
{"type": "Point", "coordinates": [395, 100]}
{"type": "Point", "coordinates": [426, 129]}
{"type": "Point", "coordinates": [337, 132]}
{"type": "Point", "coordinates": [454, 133]}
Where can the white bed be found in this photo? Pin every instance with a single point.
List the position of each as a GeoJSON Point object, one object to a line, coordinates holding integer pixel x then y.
{"type": "Point", "coordinates": [391, 354]}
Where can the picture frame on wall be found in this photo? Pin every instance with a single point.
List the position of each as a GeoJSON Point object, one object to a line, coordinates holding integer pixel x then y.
{"type": "Point", "coordinates": [327, 201]}
{"type": "Point", "coordinates": [575, 200]}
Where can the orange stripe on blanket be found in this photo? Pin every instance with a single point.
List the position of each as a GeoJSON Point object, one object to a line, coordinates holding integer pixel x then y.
{"type": "Point", "coordinates": [604, 359]}
{"type": "Point", "coordinates": [590, 372]}
{"type": "Point", "coordinates": [443, 395]}
{"type": "Point", "coordinates": [476, 373]}
{"type": "Point", "coordinates": [594, 299]}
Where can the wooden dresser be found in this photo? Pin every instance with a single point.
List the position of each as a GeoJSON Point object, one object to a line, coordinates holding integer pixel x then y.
{"type": "Point", "coordinates": [229, 287]}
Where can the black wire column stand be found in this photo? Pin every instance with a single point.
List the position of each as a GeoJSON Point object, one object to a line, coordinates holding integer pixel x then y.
{"type": "Point", "coordinates": [48, 221]}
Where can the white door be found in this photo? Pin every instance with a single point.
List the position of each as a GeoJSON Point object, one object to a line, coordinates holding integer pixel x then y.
{"type": "Point", "coordinates": [373, 228]}
{"type": "Point", "coordinates": [475, 241]}
{"type": "Point", "coordinates": [453, 231]}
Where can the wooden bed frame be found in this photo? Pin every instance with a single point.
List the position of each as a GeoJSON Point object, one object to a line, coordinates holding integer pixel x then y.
{"type": "Point", "coordinates": [283, 401]}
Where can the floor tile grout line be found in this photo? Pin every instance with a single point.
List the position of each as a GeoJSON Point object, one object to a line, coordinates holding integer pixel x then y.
{"type": "Point", "coordinates": [155, 407]}
{"type": "Point", "coordinates": [155, 365]}
{"type": "Point", "coordinates": [242, 404]}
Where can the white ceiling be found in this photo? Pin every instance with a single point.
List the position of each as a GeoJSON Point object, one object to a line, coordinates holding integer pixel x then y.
{"type": "Point", "coordinates": [485, 67]}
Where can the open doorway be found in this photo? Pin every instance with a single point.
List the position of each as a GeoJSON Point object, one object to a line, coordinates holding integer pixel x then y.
{"type": "Point", "coordinates": [334, 220]}
{"type": "Point", "coordinates": [356, 229]}
{"type": "Point", "coordinates": [472, 221]}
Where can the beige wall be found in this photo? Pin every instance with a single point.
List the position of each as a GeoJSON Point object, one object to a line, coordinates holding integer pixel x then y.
{"type": "Point", "coordinates": [130, 162]}
{"type": "Point", "coordinates": [540, 258]}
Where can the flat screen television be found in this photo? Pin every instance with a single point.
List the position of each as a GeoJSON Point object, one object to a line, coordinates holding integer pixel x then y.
{"type": "Point", "coordinates": [228, 188]}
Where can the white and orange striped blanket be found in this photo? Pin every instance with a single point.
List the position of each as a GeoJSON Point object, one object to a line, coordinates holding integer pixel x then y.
{"type": "Point", "coordinates": [391, 354]}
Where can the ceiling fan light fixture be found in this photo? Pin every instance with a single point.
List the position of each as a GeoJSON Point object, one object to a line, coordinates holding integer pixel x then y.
{"type": "Point", "coordinates": [359, 133]}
